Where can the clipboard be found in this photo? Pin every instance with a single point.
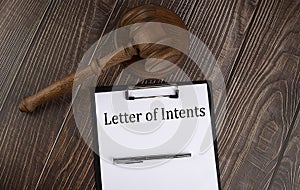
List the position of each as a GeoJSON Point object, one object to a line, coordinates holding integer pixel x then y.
{"type": "Point", "coordinates": [154, 165]}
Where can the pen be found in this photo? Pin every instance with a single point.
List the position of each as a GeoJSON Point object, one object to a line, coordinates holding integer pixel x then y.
{"type": "Point", "coordinates": [141, 159]}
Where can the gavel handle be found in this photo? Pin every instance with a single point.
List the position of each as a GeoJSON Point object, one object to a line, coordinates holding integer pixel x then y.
{"type": "Point", "coordinates": [52, 91]}
{"type": "Point", "coordinates": [65, 84]}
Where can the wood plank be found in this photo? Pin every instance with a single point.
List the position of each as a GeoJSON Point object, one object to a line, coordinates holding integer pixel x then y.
{"type": "Point", "coordinates": [67, 31]}
{"type": "Point", "coordinates": [71, 159]}
{"type": "Point", "coordinates": [19, 21]}
{"type": "Point", "coordinates": [67, 176]}
{"type": "Point", "coordinates": [288, 174]}
{"type": "Point", "coordinates": [262, 97]}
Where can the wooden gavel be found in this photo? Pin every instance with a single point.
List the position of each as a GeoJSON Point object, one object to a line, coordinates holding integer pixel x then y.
{"type": "Point", "coordinates": [141, 14]}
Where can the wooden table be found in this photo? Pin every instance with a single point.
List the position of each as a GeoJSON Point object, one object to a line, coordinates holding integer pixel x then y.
{"type": "Point", "coordinates": [255, 42]}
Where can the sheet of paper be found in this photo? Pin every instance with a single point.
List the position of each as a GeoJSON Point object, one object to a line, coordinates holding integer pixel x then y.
{"type": "Point", "coordinates": [156, 126]}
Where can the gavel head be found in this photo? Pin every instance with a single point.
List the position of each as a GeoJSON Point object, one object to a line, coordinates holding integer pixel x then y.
{"type": "Point", "coordinates": [158, 26]}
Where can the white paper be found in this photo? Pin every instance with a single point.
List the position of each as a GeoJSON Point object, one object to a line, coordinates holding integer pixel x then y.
{"type": "Point", "coordinates": [183, 135]}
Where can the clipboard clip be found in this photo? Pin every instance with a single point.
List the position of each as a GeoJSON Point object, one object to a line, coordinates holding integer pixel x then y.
{"type": "Point", "coordinates": [139, 92]}
{"type": "Point", "coordinates": [141, 159]}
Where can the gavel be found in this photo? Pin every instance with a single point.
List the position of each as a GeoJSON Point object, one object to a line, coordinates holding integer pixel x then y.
{"type": "Point", "coordinates": [141, 14]}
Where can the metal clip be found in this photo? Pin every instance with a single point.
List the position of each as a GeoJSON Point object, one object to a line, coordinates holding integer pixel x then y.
{"type": "Point", "coordinates": [138, 92]}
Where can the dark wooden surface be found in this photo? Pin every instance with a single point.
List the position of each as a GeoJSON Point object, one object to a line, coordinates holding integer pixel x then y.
{"type": "Point", "coordinates": [256, 44]}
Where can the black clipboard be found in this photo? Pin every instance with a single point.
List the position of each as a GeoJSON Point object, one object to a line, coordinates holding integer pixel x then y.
{"type": "Point", "coordinates": [97, 165]}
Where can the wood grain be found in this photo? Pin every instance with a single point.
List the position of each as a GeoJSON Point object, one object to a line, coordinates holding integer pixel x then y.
{"type": "Point", "coordinates": [256, 44]}
{"type": "Point", "coordinates": [65, 162]}
{"type": "Point", "coordinates": [288, 175]}
{"type": "Point", "coordinates": [67, 31]}
{"type": "Point", "coordinates": [19, 22]}
{"type": "Point", "coordinates": [262, 98]}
